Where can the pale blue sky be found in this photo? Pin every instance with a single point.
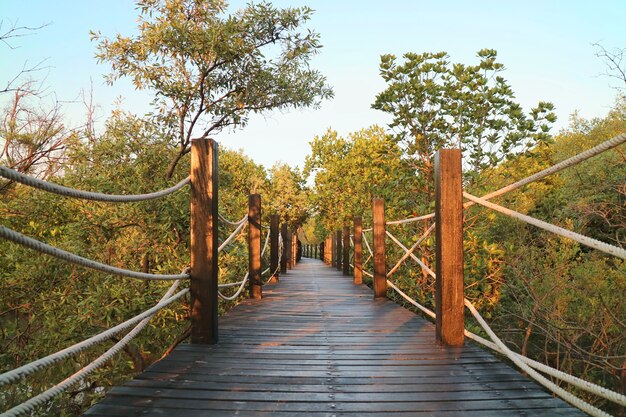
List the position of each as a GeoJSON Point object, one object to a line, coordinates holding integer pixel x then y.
{"type": "Point", "coordinates": [545, 46]}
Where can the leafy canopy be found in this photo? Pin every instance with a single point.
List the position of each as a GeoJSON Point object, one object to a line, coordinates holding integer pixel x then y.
{"type": "Point", "coordinates": [209, 69]}
{"type": "Point", "coordinates": [437, 104]}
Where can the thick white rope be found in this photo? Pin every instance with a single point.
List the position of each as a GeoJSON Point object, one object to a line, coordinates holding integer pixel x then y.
{"type": "Point", "coordinates": [230, 284]}
{"type": "Point", "coordinates": [31, 243]}
{"type": "Point", "coordinates": [570, 398]}
{"type": "Point", "coordinates": [367, 274]}
{"type": "Point", "coordinates": [267, 241]}
{"type": "Point", "coordinates": [245, 279]}
{"type": "Point", "coordinates": [86, 195]}
{"type": "Point", "coordinates": [576, 159]}
{"type": "Point", "coordinates": [232, 235]}
{"type": "Point", "coordinates": [367, 230]}
{"type": "Point", "coordinates": [78, 376]}
{"type": "Point", "coordinates": [415, 258]}
{"type": "Point", "coordinates": [409, 252]}
{"type": "Point", "coordinates": [232, 297]}
{"type": "Point", "coordinates": [367, 245]}
{"type": "Point", "coordinates": [412, 219]}
{"type": "Point", "coordinates": [280, 256]}
{"type": "Point", "coordinates": [570, 379]}
{"type": "Point", "coordinates": [22, 371]}
{"type": "Point", "coordinates": [225, 220]}
{"type": "Point", "coordinates": [587, 241]}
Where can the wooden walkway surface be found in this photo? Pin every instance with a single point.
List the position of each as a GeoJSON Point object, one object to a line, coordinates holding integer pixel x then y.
{"type": "Point", "coordinates": [317, 345]}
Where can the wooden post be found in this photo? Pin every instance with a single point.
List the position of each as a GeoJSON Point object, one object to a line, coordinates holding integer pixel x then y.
{"type": "Point", "coordinates": [289, 246]}
{"type": "Point", "coordinates": [333, 250]}
{"type": "Point", "coordinates": [204, 243]}
{"type": "Point", "coordinates": [254, 246]}
{"type": "Point", "coordinates": [274, 221]}
{"type": "Point", "coordinates": [449, 247]}
{"type": "Point", "coordinates": [346, 250]}
{"type": "Point", "coordinates": [283, 259]}
{"type": "Point", "coordinates": [358, 251]}
{"type": "Point", "coordinates": [380, 268]}
{"type": "Point", "coordinates": [339, 248]}
{"type": "Point", "coordinates": [328, 250]}
{"type": "Point", "coordinates": [315, 247]}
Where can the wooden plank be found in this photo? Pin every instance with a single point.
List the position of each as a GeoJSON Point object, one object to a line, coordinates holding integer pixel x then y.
{"type": "Point", "coordinates": [449, 247]}
{"type": "Point", "coordinates": [317, 345]}
{"type": "Point", "coordinates": [204, 243]}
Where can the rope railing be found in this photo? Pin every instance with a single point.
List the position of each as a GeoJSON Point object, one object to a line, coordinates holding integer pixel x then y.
{"type": "Point", "coordinates": [530, 366]}
{"type": "Point", "coordinates": [45, 396]}
{"type": "Point", "coordinates": [280, 257]}
{"type": "Point", "coordinates": [34, 244]}
{"type": "Point", "coordinates": [242, 284]}
{"type": "Point", "coordinates": [25, 370]}
{"type": "Point", "coordinates": [570, 398]}
{"type": "Point", "coordinates": [16, 176]}
{"type": "Point", "coordinates": [231, 223]}
{"type": "Point", "coordinates": [574, 160]}
{"type": "Point", "coordinates": [242, 224]}
{"type": "Point", "coordinates": [409, 252]}
{"type": "Point", "coordinates": [584, 240]}
{"type": "Point", "coordinates": [570, 379]}
{"type": "Point", "coordinates": [265, 245]}
{"type": "Point", "coordinates": [411, 219]}
{"type": "Point", "coordinates": [371, 255]}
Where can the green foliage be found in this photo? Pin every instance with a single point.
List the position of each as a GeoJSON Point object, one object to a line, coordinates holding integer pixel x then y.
{"type": "Point", "coordinates": [565, 299]}
{"type": "Point", "coordinates": [210, 70]}
{"type": "Point", "coordinates": [47, 304]}
{"type": "Point", "coordinates": [288, 195]}
{"type": "Point", "coordinates": [437, 104]}
{"type": "Point", "coordinates": [350, 171]}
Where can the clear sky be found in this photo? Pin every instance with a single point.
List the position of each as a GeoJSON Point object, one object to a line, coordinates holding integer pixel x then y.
{"type": "Point", "coordinates": [545, 46]}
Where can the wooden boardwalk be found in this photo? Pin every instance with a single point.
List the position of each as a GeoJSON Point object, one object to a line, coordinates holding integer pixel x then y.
{"type": "Point", "coordinates": [317, 345]}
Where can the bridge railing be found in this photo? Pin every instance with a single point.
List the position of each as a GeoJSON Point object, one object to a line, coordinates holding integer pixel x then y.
{"type": "Point", "coordinates": [202, 273]}
{"type": "Point", "coordinates": [447, 222]}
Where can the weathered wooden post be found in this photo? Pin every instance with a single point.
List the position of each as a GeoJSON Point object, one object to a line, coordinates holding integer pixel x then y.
{"type": "Point", "coordinates": [358, 250]}
{"type": "Point", "coordinates": [274, 222]}
{"type": "Point", "coordinates": [289, 245]}
{"type": "Point", "coordinates": [315, 248]}
{"type": "Point", "coordinates": [254, 246]}
{"type": "Point", "coordinates": [346, 250]}
{"type": "Point", "coordinates": [339, 248]}
{"type": "Point", "coordinates": [204, 243]}
{"type": "Point", "coordinates": [294, 248]}
{"type": "Point", "coordinates": [333, 250]}
{"type": "Point", "coordinates": [328, 250]}
{"type": "Point", "coordinates": [449, 247]}
{"type": "Point", "coordinates": [283, 260]}
{"type": "Point", "coordinates": [380, 267]}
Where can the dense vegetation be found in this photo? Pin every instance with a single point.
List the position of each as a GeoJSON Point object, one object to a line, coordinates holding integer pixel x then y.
{"type": "Point", "coordinates": [548, 297]}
